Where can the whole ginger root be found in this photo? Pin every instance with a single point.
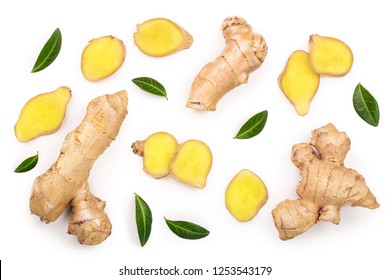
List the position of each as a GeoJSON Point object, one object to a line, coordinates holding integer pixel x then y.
{"type": "Point", "coordinates": [244, 52]}
{"type": "Point", "coordinates": [326, 184]}
{"type": "Point", "coordinates": [66, 182]}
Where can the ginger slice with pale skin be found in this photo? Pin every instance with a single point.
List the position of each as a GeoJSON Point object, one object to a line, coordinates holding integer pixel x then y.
{"type": "Point", "coordinates": [329, 56]}
{"type": "Point", "coordinates": [245, 195]}
{"type": "Point", "coordinates": [326, 184]}
{"type": "Point", "coordinates": [42, 114]}
{"type": "Point", "coordinates": [157, 151]}
{"type": "Point", "coordinates": [102, 57]}
{"type": "Point", "coordinates": [66, 181]}
{"type": "Point", "coordinates": [299, 82]}
{"type": "Point", "coordinates": [160, 37]}
{"type": "Point", "coordinates": [244, 52]}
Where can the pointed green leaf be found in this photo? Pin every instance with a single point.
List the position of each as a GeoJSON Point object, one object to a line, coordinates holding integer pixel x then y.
{"type": "Point", "coordinates": [49, 51]}
{"type": "Point", "coordinates": [365, 105]}
{"type": "Point", "coordinates": [27, 164]}
{"type": "Point", "coordinates": [187, 230]}
{"type": "Point", "coordinates": [143, 217]}
{"type": "Point", "coordinates": [150, 85]}
{"type": "Point", "coordinates": [253, 126]}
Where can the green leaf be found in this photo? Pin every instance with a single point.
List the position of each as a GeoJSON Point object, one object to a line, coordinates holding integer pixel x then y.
{"type": "Point", "coordinates": [365, 105]}
{"type": "Point", "coordinates": [27, 164]}
{"type": "Point", "coordinates": [253, 126]}
{"type": "Point", "coordinates": [187, 230]}
{"type": "Point", "coordinates": [150, 85]}
{"type": "Point", "coordinates": [143, 217]}
{"type": "Point", "coordinates": [49, 51]}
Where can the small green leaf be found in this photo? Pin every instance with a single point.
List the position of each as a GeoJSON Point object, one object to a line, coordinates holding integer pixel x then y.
{"type": "Point", "coordinates": [365, 105]}
{"type": "Point", "coordinates": [151, 86]}
{"type": "Point", "coordinates": [143, 217]}
{"type": "Point", "coordinates": [49, 52]}
{"type": "Point", "coordinates": [187, 230]}
{"type": "Point", "coordinates": [27, 164]}
{"type": "Point", "coordinates": [253, 126]}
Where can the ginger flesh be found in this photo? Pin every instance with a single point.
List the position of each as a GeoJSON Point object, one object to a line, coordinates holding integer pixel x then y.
{"type": "Point", "coordinates": [102, 57]}
{"type": "Point", "coordinates": [42, 114]}
{"type": "Point", "coordinates": [244, 52]}
{"type": "Point", "coordinates": [329, 56]}
{"type": "Point", "coordinates": [192, 163]}
{"type": "Point", "coordinates": [326, 184]}
{"type": "Point", "coordinates": [157, 152]}
{"type": "Point", "coordinates": [245, 195]}
{"type": "Point", "coordinates": [160, 37]}
{"type": "Point", "coordinates": [66, 181]}
{"type": "Point", "coordinates": [299, 82]}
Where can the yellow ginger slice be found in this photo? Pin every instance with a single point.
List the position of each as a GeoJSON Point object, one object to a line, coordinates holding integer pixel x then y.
{"type": "Point", "coordinates": [329, 56]}
{"type": "Point", "coordinates": [299, 82]}
{"type": "Point", "coordinates": [42, 114]}
{"type": "Point", "coordinates": [192, 163]}
{"type": "Point", "coordinates": [157, 152]}
{"type": "Point", "coordinates": [245, 195]}
{"type": "Point", "coordinates": [102, 57]}
{"type": "Point", "coordinates": [161, 37]}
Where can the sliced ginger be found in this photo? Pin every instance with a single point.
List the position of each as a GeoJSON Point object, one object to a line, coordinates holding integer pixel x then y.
{"type": "Point", "coordinates": [299, 82]}
{"type": "Point", "coordinates": [329, 56]}
{"type": "Point", "coordinates": [161, 37]}
{"type": "Point", "coordinates": [157, 152]}
{"type": "Point", "coordinates": [244, 52]}
{"type": "Point", "coordinates": [189, 162]}
{"type": "Point", "coordinates": [66, 181]}
{"type": "Point", "coordinates": [42, 114]}
{"type": "Point", "coordinates": [326, 184]}
{"type": "Point", "coordinates": [102, 57]}
{"type": "Point", "coordinates": [245, 195]}
{"type": "Point", "coordinates": [192, 163]}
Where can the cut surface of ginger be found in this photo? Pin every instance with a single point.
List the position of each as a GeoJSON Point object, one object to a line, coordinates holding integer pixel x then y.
{"type": "Point", "coordinates": [299, 82]}
{"type": "Point", "coordinates": [192, 163]}
{"type": "Point", "coordinates": [329, 56]}
{"type": "Point", "coordinates": [161, 37]}
{"type": "Point", "coordinates": [102, 57]}
{"type": "Point", "coordinates": [42, 114]}
{"type": "Point", "coordinates": [245, 195]}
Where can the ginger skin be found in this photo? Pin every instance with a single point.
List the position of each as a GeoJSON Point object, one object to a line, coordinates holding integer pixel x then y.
{"type": "Point", "coordinates": [326, 184]}
{"type": "Point", "coordinates": [244, 52]}
{"type": "Point", "coordinates": [66, 182]}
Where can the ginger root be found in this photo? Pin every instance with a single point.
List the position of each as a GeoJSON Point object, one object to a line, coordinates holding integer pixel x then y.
{"type": "Point", "coordinates": [329, 56]}
{"type": "Point", "coordinates": [244, 52]}
{"type": "Point", "coordinates": [299, 82]}
{"type": "Point", "coordinates": [161, 37]}
{"type": "Point", "coordinates": [66, 182]}
{"type": "Point", "coordinates": [157, 152]}
{"type": "Point", "coordinates": [326, 184]}
{"type": "Point", "coordinates": [42, 114]}
{"type": "Point", "coordinates": [189, 162]}
{"type": "Point", "coordinates": [245, 195]}
{"type": "Point", "coordinates": [102, 57]}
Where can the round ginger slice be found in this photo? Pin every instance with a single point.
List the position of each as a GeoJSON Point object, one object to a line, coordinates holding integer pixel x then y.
{"type": "Point", "coordinates": [245, 195]}
{"type": "Point", "coordinates": [102, 57]}
{"type": "Point", "coordinates": [329, 56]}
{"type": "Point", "coordinates": [161, 37]}
{"type": "Point", "coordinates": [157, 152]}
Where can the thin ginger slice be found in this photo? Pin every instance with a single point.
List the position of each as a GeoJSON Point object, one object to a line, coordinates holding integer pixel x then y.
{"type": "Point", "coordinates": [299, 82]}
{"type": "Point", "coordinates": [42, 114]}
{"type": "Point", "coordinates": [245, 195]}
{"type": "Point", "coordinates": [157, 152]}
{"type": "Point", "coordinates": [192, 163]}
{"type": "Point", "coordinates": [161, 37]}
{"type": "Point", "coordinates": [329, 56]}
{"type": "Point", "coordinates": [102, 57]}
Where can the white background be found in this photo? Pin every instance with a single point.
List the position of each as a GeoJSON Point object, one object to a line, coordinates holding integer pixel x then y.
{"type": "Point", "coordinates": [357, 248]}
